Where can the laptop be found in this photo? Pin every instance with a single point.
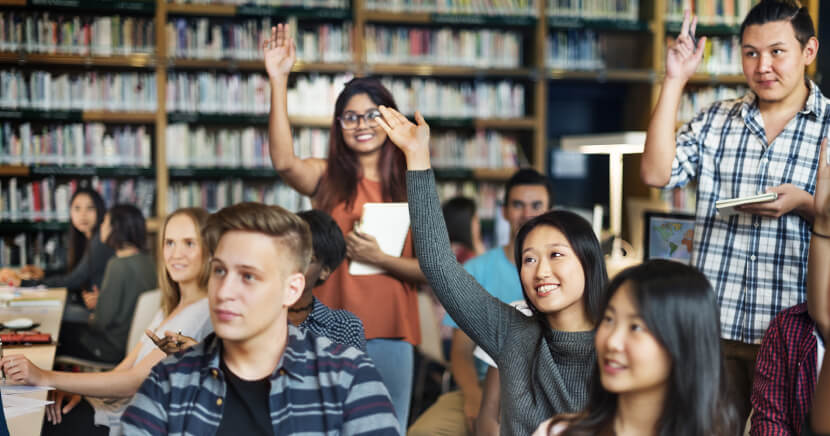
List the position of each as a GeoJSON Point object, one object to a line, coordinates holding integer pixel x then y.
{"type": "Point", "coordinates": [668, 235]}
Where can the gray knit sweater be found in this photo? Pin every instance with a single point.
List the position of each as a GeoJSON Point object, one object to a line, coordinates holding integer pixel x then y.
{"type": "Point", "coordinates": [539, 378]}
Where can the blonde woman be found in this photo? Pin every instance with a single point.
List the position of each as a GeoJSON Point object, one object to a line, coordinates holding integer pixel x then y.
{"type": "Point", "coordinates": [184, 308]}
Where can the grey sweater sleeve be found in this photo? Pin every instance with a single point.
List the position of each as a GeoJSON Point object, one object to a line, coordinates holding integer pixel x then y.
{"type": "Point", "coordinates": [484, 318]}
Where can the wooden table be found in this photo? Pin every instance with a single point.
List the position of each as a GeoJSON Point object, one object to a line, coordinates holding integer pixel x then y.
{"type": "Point", "coordinates": [43, 356]}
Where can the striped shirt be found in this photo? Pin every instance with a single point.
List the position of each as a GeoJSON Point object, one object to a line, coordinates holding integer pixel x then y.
{"type": "Point", "coordinates": [318, 388]}
{"type": "Point", "coordinates": [757, 265]}
{"type": "Point", "coordinates": [341, 326]}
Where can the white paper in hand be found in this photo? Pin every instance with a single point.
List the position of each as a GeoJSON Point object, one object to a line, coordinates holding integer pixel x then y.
{"type": "Point", "coordinates": [388, 223]}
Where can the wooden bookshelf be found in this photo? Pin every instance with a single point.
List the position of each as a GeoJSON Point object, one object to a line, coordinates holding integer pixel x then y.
{"type": "Point", "coordinates": [119, 117]}
{"type": "Point", "coordinates": [645, 76]}
{"type": "Point", "coordinates": [144, 60]}
{"type": "Point", "coordinates": [644, 79]}
{"type": "Point", "coordinates": [201, 9]}
{"type": "Point", "coordinates": [718, 79]}
{"type": "Point", "coordinates": [445, 70]}
{"type": "Point", "coordinates": [253, 65]}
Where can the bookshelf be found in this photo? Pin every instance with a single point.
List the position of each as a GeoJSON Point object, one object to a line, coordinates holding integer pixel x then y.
{"type": "Point", "coordinates": [625, 49]}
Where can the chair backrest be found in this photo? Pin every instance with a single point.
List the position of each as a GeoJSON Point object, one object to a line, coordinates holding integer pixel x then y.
{"type": "Point", "coordinates": [148, 303]}
{"type": "Point", "coordinates": [430, 329]}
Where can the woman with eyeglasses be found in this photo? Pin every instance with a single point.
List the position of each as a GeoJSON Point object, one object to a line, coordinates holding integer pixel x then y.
{"type": "Point", "coordinates": [363, 166]}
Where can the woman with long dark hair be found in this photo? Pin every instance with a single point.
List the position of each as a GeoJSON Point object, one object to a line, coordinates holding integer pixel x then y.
{"type": "Point", "coordinates": [363, 166]}
{"type": "Point", "coordinates": [544, 360]}
{"type": "Point", "coordinates": [87, 255]}
{"type": "Point", "coordinates": [129, 273]}
{"type": "Point", "coordinates": [660, 370]}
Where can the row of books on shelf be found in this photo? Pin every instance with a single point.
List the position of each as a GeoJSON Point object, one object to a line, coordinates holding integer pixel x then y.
{"type": "Point", "coordinates": [247, 147]}
{"type": "Point", "coordinates": [488, 196]}
{"type": "Point", "coordinates": [480, 48]}
{"type": "Point", "coordinates": [88, 90]}
{"type": "Point", "coordinates": [221, 38]}
{"type": "Point", "coordinates": [575, 49]}
{"type": "Point", "coordinates": [484, 149]}
{"type": "Point", "coordinates": [45, 32]}
{"type": "Point", "coordinates": [475, 99]}
{"type": "Point", "coordinates": [628, 10]}
{"type": "Point", "coordinates": [203, 147]}
{"type": "Point", "coordinates": [698, 99]}
{"type": "Point", "coordinates": [75, 144]}
{"type": "Point", "coordinates": [48, 200]}
{"type": "Point", "coordinates": [44, 249]}
{"type": "Point", "coordinates": [250, 93]}
{"type": "Point", "coordinates": [722, 55]}
{"type": "Point", "coordinates": [710, 12]}
{"type": "Point", "coordinates": [339, 4]}
{"type": "Point", "coordinates": [214, 195]}
{"type": "Point", "coordinates": [478, 7]}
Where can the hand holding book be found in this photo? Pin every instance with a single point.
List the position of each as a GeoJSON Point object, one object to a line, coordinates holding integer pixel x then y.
{"type": "Point", "coordinates": [788, 198]}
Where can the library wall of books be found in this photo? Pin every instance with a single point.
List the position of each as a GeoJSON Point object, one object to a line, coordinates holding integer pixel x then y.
{"type": "Point", "coordinates": [164, 104]}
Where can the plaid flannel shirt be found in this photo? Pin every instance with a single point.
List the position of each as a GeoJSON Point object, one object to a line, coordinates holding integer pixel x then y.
{"type": "Point", "coordinates": [785, 374]}
{"type": "Point", "coordinates": [757, 265]}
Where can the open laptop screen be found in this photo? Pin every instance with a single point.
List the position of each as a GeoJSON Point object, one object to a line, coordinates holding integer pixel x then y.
{"type": "Point", "coordinates": [669, 236]}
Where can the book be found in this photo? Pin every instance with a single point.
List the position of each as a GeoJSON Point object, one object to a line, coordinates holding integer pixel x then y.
{"type": "Point", "coordinates": [727, 207]}
{"type": "Point", "coordinates": [388, 223]}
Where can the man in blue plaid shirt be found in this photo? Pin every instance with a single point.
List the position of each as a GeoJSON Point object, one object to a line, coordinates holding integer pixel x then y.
{"type": "Point", "coordinates": [258, 374]}
{"type": "Point", "coordinates": [766, 141]}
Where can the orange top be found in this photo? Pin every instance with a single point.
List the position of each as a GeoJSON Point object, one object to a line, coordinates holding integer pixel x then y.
{"type": "Point", "coordinates": [387, 306]}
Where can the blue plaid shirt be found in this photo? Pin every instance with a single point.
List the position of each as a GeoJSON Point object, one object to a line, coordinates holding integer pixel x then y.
{"type": "Point", "coordinates": [341, 326]}
{"type": "Point", "coordinates": [757, 265]}
{"type": "Point", "coordinates": [319, 388]}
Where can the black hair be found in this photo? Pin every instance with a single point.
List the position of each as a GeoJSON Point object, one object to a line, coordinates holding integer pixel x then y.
{"type": "Point", "coordinates": [127, 227]}
{"type": "Point", "coordinates": [679, 307]}
{"type": "Point", "coordinates": [585, 245]}
{"type": "Point", "coordinates": [782, 10]}
{"type": "Point", "coordinates": [328, 244]}
{"type": "Point", "coordinates": [528, 176]}
{"type": "Point", "coordinates": [77, 240]}
{"type": "Point", "coordinates": [458, 214]}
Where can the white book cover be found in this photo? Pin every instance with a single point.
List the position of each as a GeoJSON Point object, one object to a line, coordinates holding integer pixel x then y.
{"type": "Point", "coordinates": [388, 223]}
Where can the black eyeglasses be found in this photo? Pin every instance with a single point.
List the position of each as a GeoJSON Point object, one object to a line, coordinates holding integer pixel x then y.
{"type": "Point", "coordinates": [351, 120]}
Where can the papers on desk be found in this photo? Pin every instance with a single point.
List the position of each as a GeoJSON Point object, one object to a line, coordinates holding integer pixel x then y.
{"type": "Point", "coordinates": [388, 223]}
{"type": "Point", "coordinates": [34, 302]}
{"type": "Point", "coordinates": [16, 405]}
{"type": "Point", "coordinates": [9, 389]}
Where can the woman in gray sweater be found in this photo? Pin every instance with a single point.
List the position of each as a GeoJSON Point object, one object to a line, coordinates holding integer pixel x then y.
{"type": "Point", "coordinates": [546, 360]}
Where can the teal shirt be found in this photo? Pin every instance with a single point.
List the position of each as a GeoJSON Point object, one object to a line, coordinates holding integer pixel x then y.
{"type": "Point", "coordinates": [499, 277]}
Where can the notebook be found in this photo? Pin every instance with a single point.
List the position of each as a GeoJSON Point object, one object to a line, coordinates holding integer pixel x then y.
{"type": "Point", "coordinates": [389, 224]}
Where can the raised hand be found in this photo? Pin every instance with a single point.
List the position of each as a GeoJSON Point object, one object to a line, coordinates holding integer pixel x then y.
{"type": "Point", "coordinates": [412, 139]}
{"type": "Point", "coordinates": [279, 51]}
{"type": "Point", "coordinates": [682, 56]}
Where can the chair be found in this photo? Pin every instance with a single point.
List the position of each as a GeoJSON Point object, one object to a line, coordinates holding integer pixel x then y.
{"type": "Point", "coordinates": [147, 305]}
{"type": "Point", "coordinates": [430, 348]}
